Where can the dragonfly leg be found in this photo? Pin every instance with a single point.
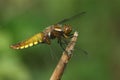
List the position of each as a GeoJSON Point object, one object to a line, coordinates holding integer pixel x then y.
{"type": "Point", "coordinates": [67, 36]}
{"type": "Point", "coordinates": [61, 44]}
{"type": "Point", "coordinates": [65, 42]}
{"type": "Point", "coordinates": [70, 35]}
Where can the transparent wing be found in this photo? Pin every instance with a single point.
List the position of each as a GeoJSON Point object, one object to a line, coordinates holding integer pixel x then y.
{"type": "Point", "coordinates": [70, 18]}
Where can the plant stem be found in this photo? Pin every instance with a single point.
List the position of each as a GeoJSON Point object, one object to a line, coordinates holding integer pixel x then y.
{"type": "Point", "coordinates": [66, 56]}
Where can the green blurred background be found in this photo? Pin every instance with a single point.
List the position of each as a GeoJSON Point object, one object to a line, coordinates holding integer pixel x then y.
{"type": "Point", "coordinates": [99, 35]}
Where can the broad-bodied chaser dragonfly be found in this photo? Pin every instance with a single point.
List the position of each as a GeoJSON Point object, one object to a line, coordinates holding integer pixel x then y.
{"type": "Point", "coordinates": [61, 32]}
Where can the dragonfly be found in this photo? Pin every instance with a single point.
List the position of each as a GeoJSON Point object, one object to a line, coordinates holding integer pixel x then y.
{"type": "Point", "coordinates": [56, 31]}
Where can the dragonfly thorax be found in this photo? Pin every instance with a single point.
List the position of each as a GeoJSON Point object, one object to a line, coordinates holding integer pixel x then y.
{"type": "Point", "coordinates": [58, 31]}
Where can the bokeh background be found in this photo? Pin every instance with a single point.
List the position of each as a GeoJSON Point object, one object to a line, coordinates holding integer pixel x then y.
{"type": "Point", "coordinates": [99, 35]}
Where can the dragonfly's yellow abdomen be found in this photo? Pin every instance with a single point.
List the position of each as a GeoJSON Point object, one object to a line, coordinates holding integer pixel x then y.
{"type": "Point", "coordinates": [38, 38]}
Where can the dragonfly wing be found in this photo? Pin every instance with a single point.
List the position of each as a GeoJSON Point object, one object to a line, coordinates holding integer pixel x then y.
{"type": "Point", "coordinates": [70, 18]}
{"type": "Point", "coordinates": [38, 38]}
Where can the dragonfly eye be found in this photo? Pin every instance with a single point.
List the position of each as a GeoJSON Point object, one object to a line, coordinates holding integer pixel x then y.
{"type": "Point", "coordinates": [67, 29]}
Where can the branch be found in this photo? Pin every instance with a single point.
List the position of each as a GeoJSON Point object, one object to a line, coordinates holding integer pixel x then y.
{"type": "Point", "coordinates": [59, 70]}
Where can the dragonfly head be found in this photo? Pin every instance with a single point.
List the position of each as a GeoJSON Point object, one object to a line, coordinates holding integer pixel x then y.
{"type": "Point", "coordinates": [67, 29]}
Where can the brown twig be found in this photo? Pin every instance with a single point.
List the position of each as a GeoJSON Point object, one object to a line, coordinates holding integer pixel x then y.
{"type": "Point", "coordinates": [58, 72]}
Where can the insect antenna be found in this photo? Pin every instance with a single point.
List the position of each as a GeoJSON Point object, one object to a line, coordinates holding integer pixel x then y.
{"type": "Point", "coordinates": [70, 18]}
